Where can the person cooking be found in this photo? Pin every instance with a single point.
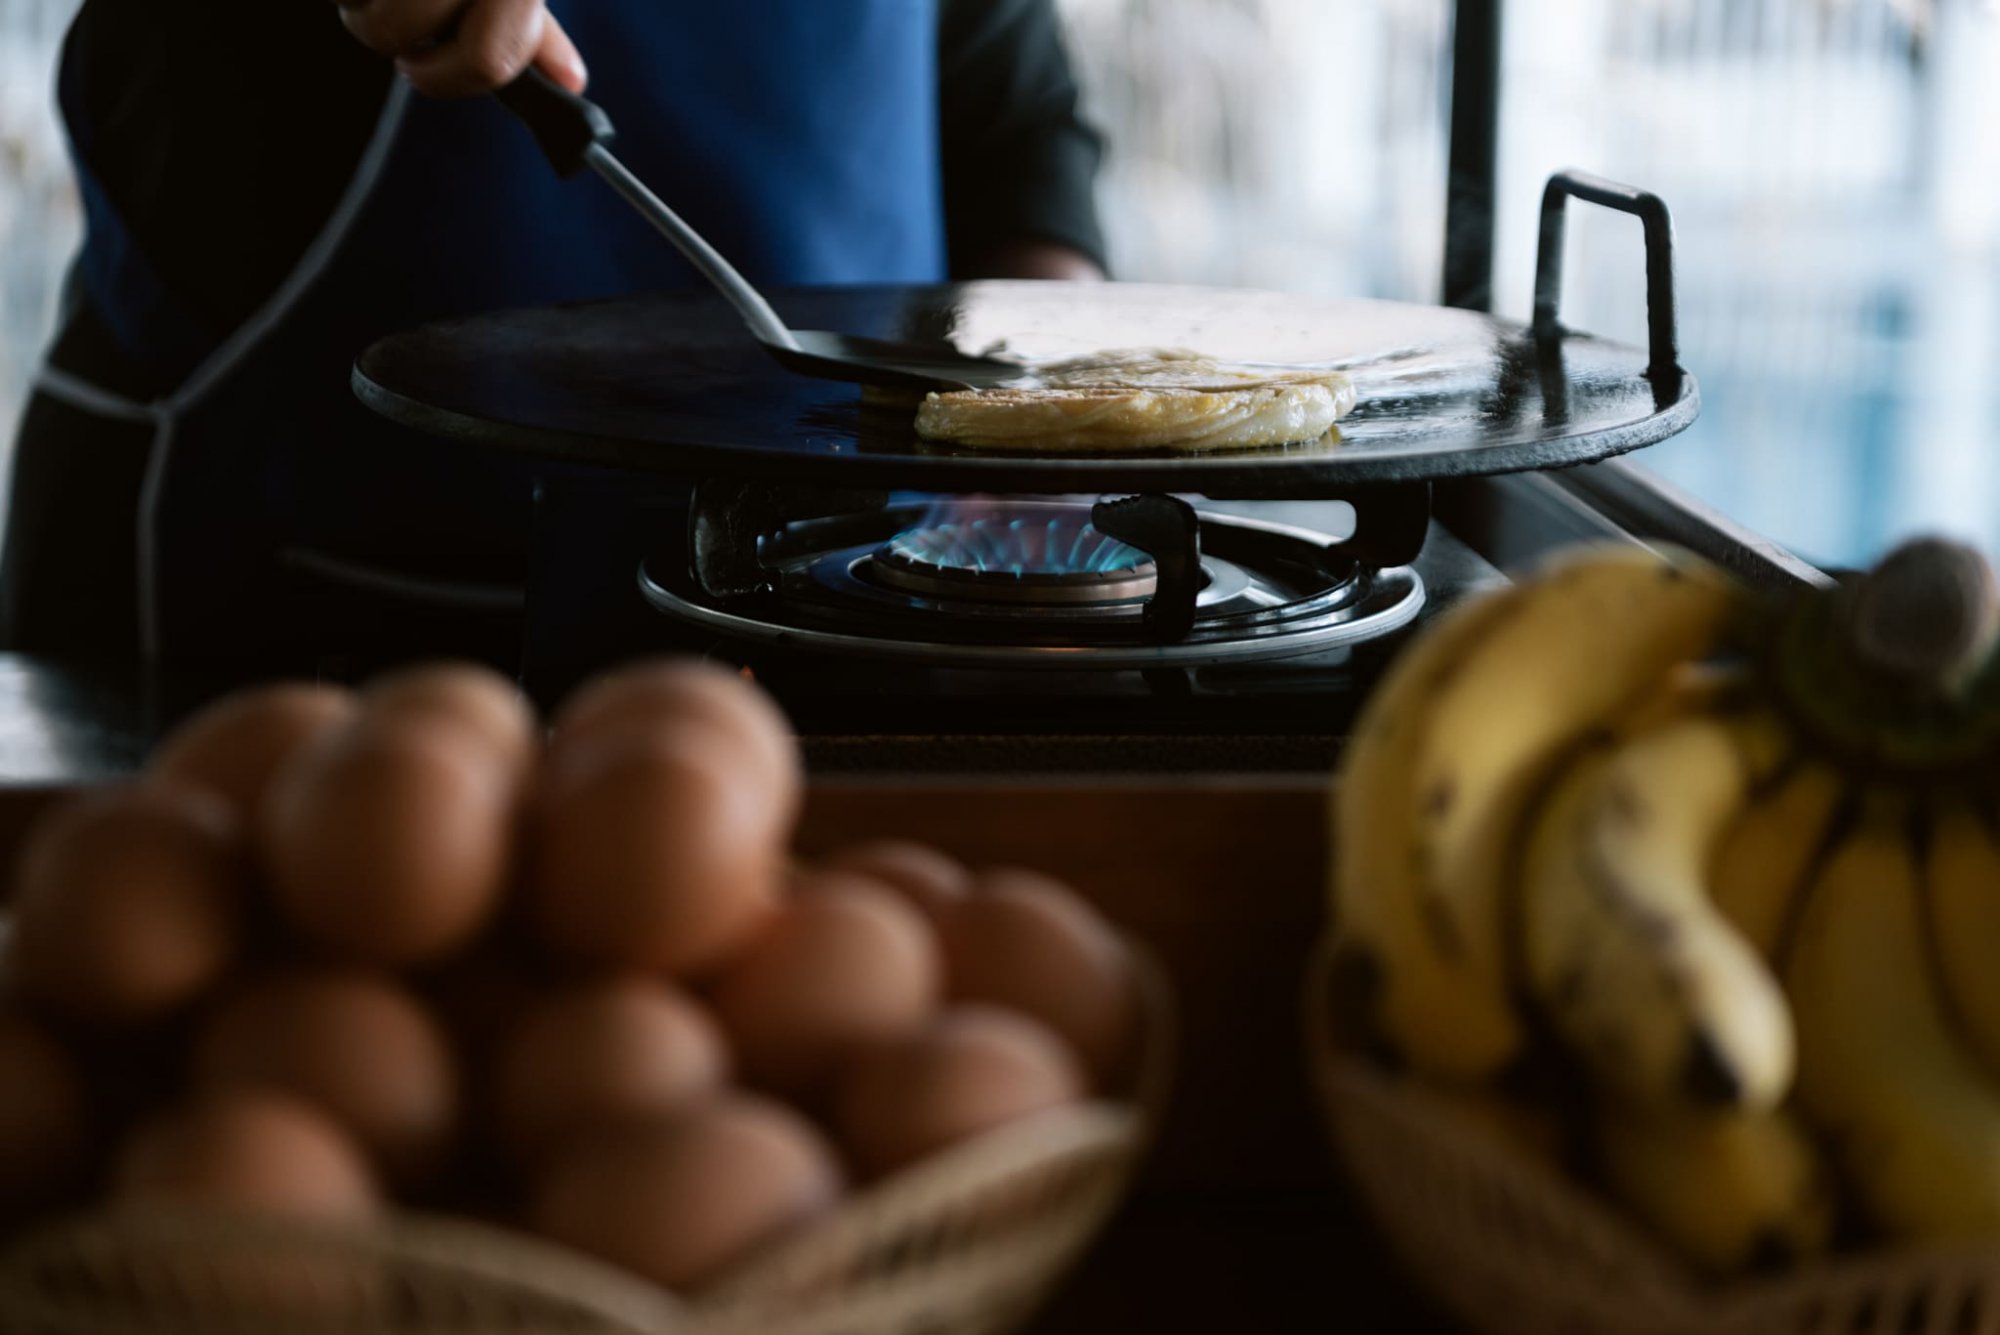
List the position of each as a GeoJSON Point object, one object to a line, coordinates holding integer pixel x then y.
{"type": "Point", "coordinates": [263, 197]}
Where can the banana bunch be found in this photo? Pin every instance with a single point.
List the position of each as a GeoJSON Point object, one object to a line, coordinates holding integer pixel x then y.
{"type": "Point", "coordinates": [1446, 760]}
{"type": "Point", "coordinates": [1719, 880]}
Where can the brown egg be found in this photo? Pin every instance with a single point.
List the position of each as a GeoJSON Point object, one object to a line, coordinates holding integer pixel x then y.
{"type": "Point", "coordinates": [237, 744]}
{"type": "Point", "coordinates": [127, 901]}
{"type": "Point", "coordinates": [669, 694]}
{"type": "Point", "coordinates": [844, 964]}
{"type": "Point", "coordinates": [653, 852]}
{"type": "Point", "coordinates": [44, 1111]}
{"type": "Point", "coordinates": [475, 697]}
{"type": "Point", "coordinates": [680, 1200]}
{"type": "Point", "coordinates": [1026, 942]}
{"type": "Point", "coordinates": [250, 1150]}
{"type": "Point", "coordinates": [924, 876]}
{"type": "Point", "coordinates": [390, 841]}
{"type": "Point", "coordinates": [973, 1068]}
{"type": "Point", "coordinates": [354, 1045]}
{"type": "Point", "coordinates": [613, 1050]}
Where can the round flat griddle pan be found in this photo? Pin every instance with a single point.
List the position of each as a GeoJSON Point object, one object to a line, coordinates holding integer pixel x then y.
{"type": "Point", "coordinates": [670, 383]}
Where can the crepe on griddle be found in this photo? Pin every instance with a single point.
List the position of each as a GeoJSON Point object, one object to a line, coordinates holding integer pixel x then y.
{"type": "Point", "coordinates": [1142, 399]}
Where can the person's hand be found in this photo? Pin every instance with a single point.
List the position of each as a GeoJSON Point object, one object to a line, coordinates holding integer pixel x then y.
{"type": "Point", "coordinates": [460, 48]}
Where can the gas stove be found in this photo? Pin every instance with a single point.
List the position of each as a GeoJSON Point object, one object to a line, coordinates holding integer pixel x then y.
{"type": "Point", "coordinates": [917, 606]}
{"type": "Point", "coordinates": [1134, 583]}
{"type": "Point", "coordinates": [879, 676]}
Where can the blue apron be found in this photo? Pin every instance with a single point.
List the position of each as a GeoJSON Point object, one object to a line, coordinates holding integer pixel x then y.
{"type": "Point", "coordinates": [800, 136]}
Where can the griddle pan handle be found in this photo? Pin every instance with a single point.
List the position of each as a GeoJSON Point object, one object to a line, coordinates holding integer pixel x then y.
{"type": "Point", "coordinates": [565, 124]}
{"type": "Point", "coordinates": [1662, 333]}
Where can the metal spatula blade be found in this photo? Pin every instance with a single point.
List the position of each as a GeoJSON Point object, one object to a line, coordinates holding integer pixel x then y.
{"type": "Point", "coordinates": [574, 133]}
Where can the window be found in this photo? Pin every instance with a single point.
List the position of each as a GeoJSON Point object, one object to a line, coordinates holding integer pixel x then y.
{"type": "Point", "coordinates": [1830, 163]}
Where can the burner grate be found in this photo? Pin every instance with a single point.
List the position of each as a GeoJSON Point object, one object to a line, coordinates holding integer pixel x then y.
{"type": "Point", "coordinates": [854, 585]}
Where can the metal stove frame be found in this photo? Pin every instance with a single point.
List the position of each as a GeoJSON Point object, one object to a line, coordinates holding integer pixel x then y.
{"type": "Point", "coordinates": [802, 587]}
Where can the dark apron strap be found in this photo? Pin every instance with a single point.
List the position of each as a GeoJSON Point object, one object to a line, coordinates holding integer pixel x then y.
{"type": "Point", "coordinates": [69, 568]}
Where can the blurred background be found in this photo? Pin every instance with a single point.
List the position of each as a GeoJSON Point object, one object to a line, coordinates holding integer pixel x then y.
{"type": "Point", "coordinates": [1831, 164]}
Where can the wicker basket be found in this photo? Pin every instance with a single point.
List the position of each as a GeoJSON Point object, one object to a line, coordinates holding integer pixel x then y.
{"type": "Point", "coordinates": [1515, 1247]}
{"type": "Point", "coordinates": [965, 1243]}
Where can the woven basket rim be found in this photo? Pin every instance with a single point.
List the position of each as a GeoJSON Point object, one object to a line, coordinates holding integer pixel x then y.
{"type": "Point", "coordinates": [469, 1246]}
{"type": "Point", "coordinates": [1092, 1127]}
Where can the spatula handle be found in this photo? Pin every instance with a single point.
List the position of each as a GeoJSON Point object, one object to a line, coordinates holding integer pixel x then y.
{"type": "Point", "coordinates": [573, 132]}
{"type": "Point", "coordinates": [565, 124]}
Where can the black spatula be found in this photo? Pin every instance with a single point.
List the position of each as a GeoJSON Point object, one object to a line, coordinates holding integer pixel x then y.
{"type": "Point", "coordinates": [574, 133]}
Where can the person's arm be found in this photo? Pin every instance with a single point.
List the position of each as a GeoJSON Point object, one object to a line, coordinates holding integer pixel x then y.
{"type": "Point", "coordinates": [450, 48]}
{"type": "Point", "coordinates": [1020, 163]}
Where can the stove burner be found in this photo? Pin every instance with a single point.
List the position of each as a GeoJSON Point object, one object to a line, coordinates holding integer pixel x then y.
{"type": "Point", "coordinates": [1267, 592]}
{"type": "Point", "coordinates": [1024, 554]}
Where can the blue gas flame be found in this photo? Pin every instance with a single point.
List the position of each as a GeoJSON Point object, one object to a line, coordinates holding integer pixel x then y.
{"type": "Point", "coordinates": [997, 542]}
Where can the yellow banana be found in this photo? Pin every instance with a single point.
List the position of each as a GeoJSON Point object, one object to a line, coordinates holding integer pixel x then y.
{"type": "Point", "coordinates": [1913, 1117]}
{"type": "Point", "coordinates": [1962, 883]}
{"type": "Point", "coordinates": [1651, 988]}
{"type": "Point", "coordinates": [1393, 982]}
{"type": "Point", "coordinates": [1444, 760]}
{"type": "Point", "coordinates": [1728, 1190]}
{"type": "Point", "coordinates": [1688, 688]}
{"type": "Point", "coordinates": [1590, 639]}
{"type": "Point", "coordinates": [1770, 851]}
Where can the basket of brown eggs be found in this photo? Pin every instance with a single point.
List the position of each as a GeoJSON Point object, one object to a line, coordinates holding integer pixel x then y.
{"type": "Point", "coordinates": [390, 1010]}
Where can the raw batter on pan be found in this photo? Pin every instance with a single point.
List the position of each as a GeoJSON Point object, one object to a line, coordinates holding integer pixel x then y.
{"type": "Point", "coordinates": [1143, 399]}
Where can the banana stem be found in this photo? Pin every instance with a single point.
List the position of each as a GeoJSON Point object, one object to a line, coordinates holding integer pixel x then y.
{"type": "Point", "coordinates": [1926, 618]}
